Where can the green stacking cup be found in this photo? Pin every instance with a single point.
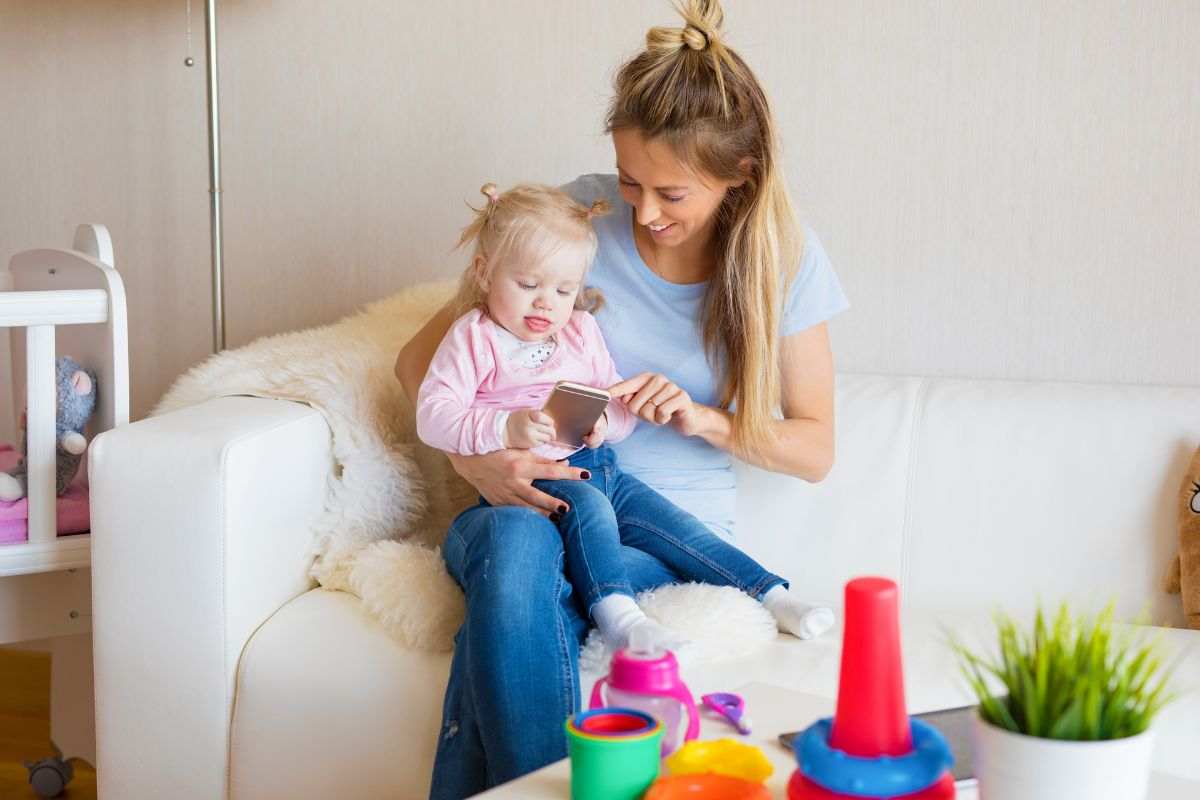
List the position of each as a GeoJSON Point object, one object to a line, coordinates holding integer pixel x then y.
{"type": "Point", "coordinates": [614, 753]}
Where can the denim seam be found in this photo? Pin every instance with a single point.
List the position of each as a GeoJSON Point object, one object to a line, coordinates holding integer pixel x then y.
{"type": "Point", "coordinates": [569, 690]}
{"type": "Point", "coordinates": [461, 543]}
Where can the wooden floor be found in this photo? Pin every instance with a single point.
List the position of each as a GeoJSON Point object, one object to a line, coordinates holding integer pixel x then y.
{"type": "Point", "coordinates": [25, 726]}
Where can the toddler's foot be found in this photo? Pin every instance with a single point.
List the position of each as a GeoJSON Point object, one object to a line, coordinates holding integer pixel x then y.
{"type": "Point", "coordinates": [623, 624]}
{"type": "Point", "coordinates": [793, 615]}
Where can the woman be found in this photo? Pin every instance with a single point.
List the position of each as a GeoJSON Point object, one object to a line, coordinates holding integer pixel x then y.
{"type": "Point", "coordinates": [715, 301]}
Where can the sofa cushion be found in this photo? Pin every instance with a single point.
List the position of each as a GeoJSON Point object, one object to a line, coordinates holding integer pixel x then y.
{"type": "Point", "coordinates": [986, 494]}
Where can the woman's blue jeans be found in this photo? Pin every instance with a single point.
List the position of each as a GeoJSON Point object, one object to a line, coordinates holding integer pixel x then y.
{"type": "Point", "coordinates": [514, 676]}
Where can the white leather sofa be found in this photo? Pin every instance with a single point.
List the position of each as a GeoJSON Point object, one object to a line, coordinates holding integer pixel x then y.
{"type": "Point", "coordinates": [222, 671]}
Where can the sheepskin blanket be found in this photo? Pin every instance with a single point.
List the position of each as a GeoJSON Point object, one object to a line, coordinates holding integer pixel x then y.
{"type": "Point", "coordinates": [390, 499]}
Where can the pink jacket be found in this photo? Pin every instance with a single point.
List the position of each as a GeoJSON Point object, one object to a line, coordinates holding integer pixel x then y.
{"type": "Point", "coordinates": [470, 384]}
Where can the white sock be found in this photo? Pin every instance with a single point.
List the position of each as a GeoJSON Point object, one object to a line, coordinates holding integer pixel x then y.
{"type": "Point", "coordinates": [618, 617]}
{"type": "Point", "coordinates": [800, 619]}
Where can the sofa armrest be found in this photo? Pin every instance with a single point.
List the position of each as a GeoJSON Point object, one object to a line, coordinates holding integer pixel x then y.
{"type": "Point", "coordinates": [201, 530]}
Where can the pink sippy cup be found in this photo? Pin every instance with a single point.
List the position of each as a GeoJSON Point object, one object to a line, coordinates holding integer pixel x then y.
{"type": "Point", "coordinates": [649, 681]}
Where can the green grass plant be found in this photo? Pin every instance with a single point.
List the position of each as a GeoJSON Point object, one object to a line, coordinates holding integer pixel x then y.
{"type": "Point", "coordinates": [1071, 679]}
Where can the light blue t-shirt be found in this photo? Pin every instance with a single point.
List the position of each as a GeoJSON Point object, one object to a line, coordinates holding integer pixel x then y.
{"type": "Point", "coordinates": [653, 325]}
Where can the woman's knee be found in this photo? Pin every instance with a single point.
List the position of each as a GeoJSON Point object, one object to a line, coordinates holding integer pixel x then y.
{"type": "Point", "coordinates": [498, 539]}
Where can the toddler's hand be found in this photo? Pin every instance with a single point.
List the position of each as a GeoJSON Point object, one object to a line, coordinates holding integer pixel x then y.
{"type": "Point", "coordinates": [528, 429]}
{"type": "Point", "coordinates": [595, 437]}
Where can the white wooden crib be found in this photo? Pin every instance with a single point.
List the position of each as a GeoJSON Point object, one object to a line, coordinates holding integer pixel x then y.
{"type": "Point", "coordinates": [70, 302]}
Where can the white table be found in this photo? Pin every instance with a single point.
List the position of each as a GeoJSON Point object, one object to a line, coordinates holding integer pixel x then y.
{"type": "Point", "coordinates": [772, 711]}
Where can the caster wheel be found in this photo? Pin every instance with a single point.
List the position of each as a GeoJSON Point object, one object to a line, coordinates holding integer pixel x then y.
{"type": "Point", "coordinates": [49, 776]}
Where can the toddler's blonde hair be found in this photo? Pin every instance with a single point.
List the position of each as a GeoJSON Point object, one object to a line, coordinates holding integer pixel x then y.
{"type": "Point", "coordinates": [530, 222]}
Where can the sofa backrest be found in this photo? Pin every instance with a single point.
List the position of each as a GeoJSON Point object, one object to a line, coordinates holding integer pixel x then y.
{"type": "Point", "coordinates": [987, 494]}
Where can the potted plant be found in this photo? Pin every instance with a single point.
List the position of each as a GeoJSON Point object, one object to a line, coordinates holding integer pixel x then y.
{"type": "Point", "coordinates": [1072, 711]}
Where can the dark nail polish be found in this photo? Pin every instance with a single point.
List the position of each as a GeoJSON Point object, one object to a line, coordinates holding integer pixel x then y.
{"type": "Point", "coordinates": [586, 475]}
{"type": "Point", "coordinates": [555, 517]}
{"type": "Point", "coordinates": [562, 509]}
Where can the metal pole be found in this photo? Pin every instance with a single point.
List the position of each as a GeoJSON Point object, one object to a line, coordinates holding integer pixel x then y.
{"type": "Point", "coordinates": [214, 176]}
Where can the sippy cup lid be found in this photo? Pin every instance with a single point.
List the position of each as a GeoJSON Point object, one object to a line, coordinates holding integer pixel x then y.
{"type": "Point", "coordinates": [647, 672]}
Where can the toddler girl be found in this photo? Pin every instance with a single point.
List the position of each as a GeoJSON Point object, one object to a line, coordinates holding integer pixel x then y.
{"type": "Point", "coordinates": [527, 327]}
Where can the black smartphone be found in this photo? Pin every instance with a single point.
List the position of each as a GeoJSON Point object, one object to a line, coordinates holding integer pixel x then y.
{"type": "Point", "coordinates": [954, 724]}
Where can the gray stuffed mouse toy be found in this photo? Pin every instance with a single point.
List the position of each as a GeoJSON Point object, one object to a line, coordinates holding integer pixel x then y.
{"type": "Point", "coordinates": [76, 402]}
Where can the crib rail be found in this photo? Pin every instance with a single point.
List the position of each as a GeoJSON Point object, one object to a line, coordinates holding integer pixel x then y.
{"type": "Point", "coordinates": [53, 307]}
{"type": "Point", "coordinates": [40, 312]}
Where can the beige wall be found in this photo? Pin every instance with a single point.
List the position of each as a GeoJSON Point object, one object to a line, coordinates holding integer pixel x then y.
{"type": "Point", "coordinates": [1008, 189]}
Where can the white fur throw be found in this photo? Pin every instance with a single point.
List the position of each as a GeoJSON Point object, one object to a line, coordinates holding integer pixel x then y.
{"type": "Point", "coordinates": [391, 499]}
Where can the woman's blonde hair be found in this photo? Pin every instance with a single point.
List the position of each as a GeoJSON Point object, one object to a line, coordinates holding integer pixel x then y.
{"type": "Point", "coordinates": [689, 90]}
{"type": "Point", "coordinates": [528, 222]}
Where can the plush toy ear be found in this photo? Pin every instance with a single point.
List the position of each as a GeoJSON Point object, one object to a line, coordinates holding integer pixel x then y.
{"type": "Point", "coordinates": [81, 382]}
{"type": "Point", "coordinates": [1190, 491]}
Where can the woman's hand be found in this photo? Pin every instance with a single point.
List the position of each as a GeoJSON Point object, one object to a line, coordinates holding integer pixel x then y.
{"type": "Point", "coordinates": [505, 478]}
{"type": "Point", "coordinates": [656, 398]}
{"type": "Point", "coordinates": [596, 435]}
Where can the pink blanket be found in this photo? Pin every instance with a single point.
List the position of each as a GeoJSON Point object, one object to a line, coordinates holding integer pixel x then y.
{"type": "Point", "coordinates": [14, 517]}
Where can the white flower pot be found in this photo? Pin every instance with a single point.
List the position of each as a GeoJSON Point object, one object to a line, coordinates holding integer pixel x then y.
{"type": "Point", "coordinates": [1012, 766]}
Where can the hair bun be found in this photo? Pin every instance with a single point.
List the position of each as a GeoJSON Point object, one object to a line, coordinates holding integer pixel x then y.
{"type": "Point", "coordinates": [696, 38]}
{"type": "Point", "coordinates": [490, 191]}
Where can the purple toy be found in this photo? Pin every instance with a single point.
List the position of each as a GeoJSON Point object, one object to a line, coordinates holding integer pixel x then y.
{"type": "Point", "coordinates": [730, 706]}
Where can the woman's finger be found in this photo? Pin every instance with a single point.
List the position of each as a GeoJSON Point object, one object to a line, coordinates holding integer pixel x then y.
{"type": "Point", "coordinates": [657, 396]}
{"type": "Point", "coordinates": [642, 408]}
{"type": "Point", "coordinates": [643, 395]}
{"type": "Point", "coordinates": [546, 469]}
{"type": "Point", "coordinates": [629, 385]}
{"type": "Point", "coordinates": [672, 407]}
{"type": "Point", "coordinates": [669, 400]}
{"type": "Point", "coordinates": [539, 501]}
{"type": "Point", "coordinates": [658, 403]}
{"type": "Point", "coordinates": [666, 393]}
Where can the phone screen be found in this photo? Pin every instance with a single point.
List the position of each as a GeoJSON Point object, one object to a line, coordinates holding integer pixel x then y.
{"type": "Point", "coordinates": [953, 723]}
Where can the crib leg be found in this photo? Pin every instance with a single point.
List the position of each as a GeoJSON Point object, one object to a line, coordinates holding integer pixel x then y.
{"type": "Point", "coordinates": [72, 698]}
{"type": "Point", "coordinates": [72, 715]}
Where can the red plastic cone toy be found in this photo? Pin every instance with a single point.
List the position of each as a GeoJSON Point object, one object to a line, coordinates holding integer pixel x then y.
{"type": "Point", "coordinates": [871, 748]}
